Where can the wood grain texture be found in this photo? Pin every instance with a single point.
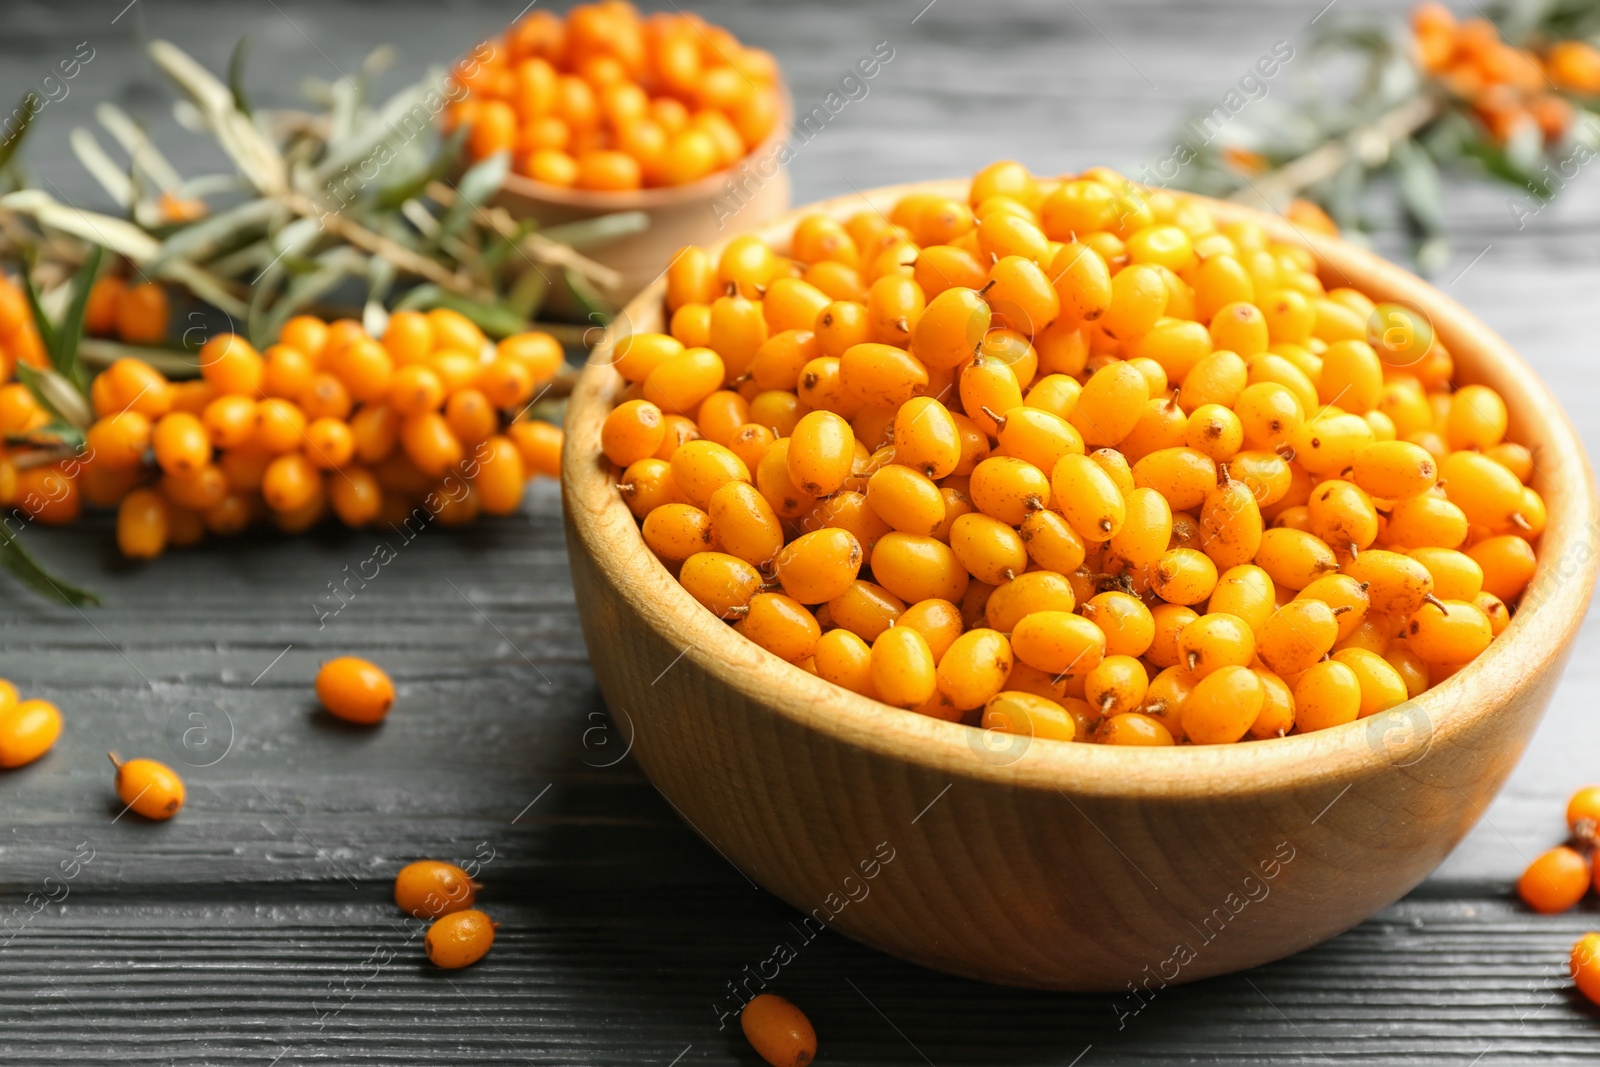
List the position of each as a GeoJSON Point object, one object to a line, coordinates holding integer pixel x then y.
{"type": "Point", "coordinates": [800, 783]}
{"type": "Point", "coordinates": [203, 941]}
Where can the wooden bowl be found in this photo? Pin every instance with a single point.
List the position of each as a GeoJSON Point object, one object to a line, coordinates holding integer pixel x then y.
{"type": "Point", "coordinates": [1058, 865]}
{"type": "Point", "coordinates": [701, 213]}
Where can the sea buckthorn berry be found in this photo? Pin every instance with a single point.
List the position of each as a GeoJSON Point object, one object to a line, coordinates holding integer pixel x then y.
{"type": "Point", "coordinates": [743, 521]}
{"type": "Point", "coordinates": [1327, 444]}
{"type": "Point", "coordinates": [232, 366]}
{"type": "Point", "coordinates": [1450, 632]}
{"type": "Point", "coordinates": [843, 658]}
{"type": "Point", "coordinates": [148, 788]}
{"type": "Point", "coordinates": [865, 609]}
{"type": "Point", "coordinates": [229, 420]}
{"type": "Point", "coordinates": [142, 524]}
{"type": "Point", "coordinates": [459, 939]}
{"type": "Point", "coordinates": [181, 443]}
{"type": "Point", "coordinates": [1145, 532]}
{"type": "Point", "coordinates": [1585, 966]}
{"type": "Point", "coordinates": [1182, 475]}
{"type": "Point", "coordinates": [1477, 418]}
{"type": "Point", "coordinates": [1343, 516]}
{"type": "Point", "coordinates": [1326, 694]}
{"type": "Point", "coordinates": [990, 550]}
{"type": "Point", "coordinates": [1352, 376]}
{"type": "Point", "coordinates": [778, 1031]}
{"type": "Point", "coordinates": [1294, 558]}
{"type": "Point", "coordinates": [939, 622]}
{"type": "Point", "coordinates": [1133, 728]}
{"type": "Point", "coordinates": [1026, 594]}
{"type": "Point", "coordinates": [1215, 431]}
{"type": "Point", "coordinates": [632, 431]}
{"type": "Point", "coordinates": [700, 468]}
{"type": "Point", "coordinates": [280, 426]}
{"type": "Point", "coordinates": [1030, 715]}
{"type": "Point", "coordinates": [1297, 635]}
{"type": "Point", "coordinates": [1230, 522]}
{"type": "Point", "coordinates": [818, 566]}
{"type": "Point", "coordinates": [950, 328]}
{"type": "Point", "coordinates": [1116, 685]}
{"type": "Point", "coordinates": [325, 397]}
{"type": "Point", "coordinates": [1456, 575]}
{"type": "Point", "coordinates": [1214, 641]}
{"type": "Point", "coordinates": [1555, 880]}
{"type": "Point", "coordinates": [905, 499]}
{"type": "Point", "coordinates": [1340, 592]}
{"type": "Point", "coordinates": [1269, 415]}
{"type": "Point", "coordinates": [355, 690]}
{"type": "Point", "coordinates": [428, 889]}
{"type": "Point", "coordinates": [1111, 404]}
{"type": "Point", "coordinates": [926, 437]}
{"type": "Point", "coordinates": [28, 728]}
{"type": "Point", "coordinates": [1381, 685]}
{"type": "Point", "coordinates": [1088, 498]}
{"type": "Point", "coordinates": [1395, 583]}
{"type": "Point", "coordinates": [1058, 642]}
{"type": "Point", "coordinates": [1011, 489]}
{"type": "Point", "coordinates": [119, 440]}
{"type": "Point", "coordinates": [1246, 592]}
{"type": "Point", "coordinates": [1239, 327]}
{"type": "Point", "coordinates": [676, 531]}
{"type": "Point", "coordinates": [781, 625]}
{"type": "Point", "coordinates": [1395, 470]}
{"type": "Point", "coordinates": [1277, 707]}
{"type": "Point", "coordinates": [903, 668]}
{"type": "Point", "coordinates": [821, 453]}
{"type": "Point", "coordinates": [881, 374]}
{"type": "Point", "coordinates": [1051, 542]}
{"type": "Point", "coordinates": [722, 583]}
{"type": "Point", "coordinates": [1486, 492]}
{"type": "Point", "coordinates": [1222, 706]}
{"type": "Point", "coordinates": [1583, 811]}
{"type": "Point", "coordinates": [974, 668]}
{"type": "Point", "coordinates": [1183, 576]}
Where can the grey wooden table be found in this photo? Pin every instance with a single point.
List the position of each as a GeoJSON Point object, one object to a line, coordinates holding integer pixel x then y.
{"type": "Point", "coordinates": [256, 928]}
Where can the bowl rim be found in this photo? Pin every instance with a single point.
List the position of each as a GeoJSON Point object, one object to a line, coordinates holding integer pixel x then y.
{"type": "Point", "coordinates": [1534, 643]}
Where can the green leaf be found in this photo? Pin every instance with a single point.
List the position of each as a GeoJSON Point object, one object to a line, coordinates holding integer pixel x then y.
{"type": "Point", "coordinates": [24, 113]}
{"type": "Point", "coordinates": [1420, 187]}
{"type": "Point", "coordinates": [493, 319]}
{"type": "Point", "coordinates": [236, 74]}
{"type": "Point", "coordinates": [595, 310]}
{"type": "Point", "coordinates": [47, 329]}
{"type": "Point", "coordinates": [603, 228]}
{"type": "Point", "coordinates": [20, 562]}
{"type": "Point", "coordinates": [478, 184]}
{"type": "Point", "coordinates": [70, 331]}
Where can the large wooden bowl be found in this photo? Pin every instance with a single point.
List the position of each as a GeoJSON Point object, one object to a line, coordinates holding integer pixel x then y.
{"type": "Point", "coordinates": [1058, 865]}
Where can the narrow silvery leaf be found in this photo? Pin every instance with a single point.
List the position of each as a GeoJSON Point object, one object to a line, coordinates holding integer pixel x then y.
{"type": "Point", "coordinates": [101, 167]}
{"type": "Point", "coordinates": [120, 236]}
{"type": "Point", "coordinates": [198, 240]}
{"type": "Point", "coordinates": [146, 156]}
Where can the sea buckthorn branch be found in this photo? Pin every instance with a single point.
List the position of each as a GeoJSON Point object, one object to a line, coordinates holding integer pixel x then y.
{"type": "Point", "coordinates": [1514, 102]}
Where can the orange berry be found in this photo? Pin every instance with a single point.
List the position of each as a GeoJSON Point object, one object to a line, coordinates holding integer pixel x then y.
{"type": "Point", "coordinates": [354, 690]}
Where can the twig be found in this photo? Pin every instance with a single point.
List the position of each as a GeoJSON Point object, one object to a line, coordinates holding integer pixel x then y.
{"type": "Point", "coordinates": [378, 245]}
{"type": "Point", "coordinates": [1325, 160]}
{"type": "Point", "coordinates": [536, 245]}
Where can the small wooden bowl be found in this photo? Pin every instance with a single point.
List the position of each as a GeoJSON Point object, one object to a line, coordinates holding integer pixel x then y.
{"type": "Point", "coordinates": [1069, 866]}
{"type": "Point", "coordinates": [701, 213]}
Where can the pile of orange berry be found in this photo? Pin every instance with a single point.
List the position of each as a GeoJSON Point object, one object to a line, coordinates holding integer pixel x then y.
{"type": "Point", "coordinates": [328, 420]}
{"type": "Point", "coordinates": [609, 100]}
{"type": "Point", "coordinates": [443, 893]}
{"type": "Point", "coordinates": [136, 314]}
{"type": "Point", "coordinates": [1506, 86]}
{"type": "Point", "coordinates": [1561, 877]}
{"type": "Point", "coordinates": [19, 343]}
{"type": "Point", "coordinates": [1068, 457]}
